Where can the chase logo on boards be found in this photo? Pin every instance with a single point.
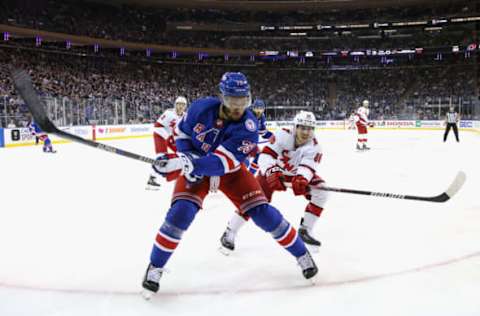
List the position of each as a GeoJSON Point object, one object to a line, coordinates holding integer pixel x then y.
{"type": "Point", "coordinates": [15, 135]}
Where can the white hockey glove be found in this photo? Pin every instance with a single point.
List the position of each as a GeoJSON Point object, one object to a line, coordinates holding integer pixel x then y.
{"type": "Point", "coordinates": [171, 166]}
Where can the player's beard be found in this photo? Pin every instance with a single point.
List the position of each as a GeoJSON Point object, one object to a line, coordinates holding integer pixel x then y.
{"type": "Point", "coordinates": [232, 114]}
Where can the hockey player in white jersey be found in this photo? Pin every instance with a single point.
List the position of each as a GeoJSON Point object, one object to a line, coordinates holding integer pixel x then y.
{"type": "Point", "coordinates": [362, 123]}
{"type": "Point", "coordinates": [290, 161]}
{"type": "Point", "coordinates": [163, 133]}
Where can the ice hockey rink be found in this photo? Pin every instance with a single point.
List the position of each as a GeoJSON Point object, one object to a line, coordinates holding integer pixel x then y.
{"type": "Point", "coordinates": [76, 230]}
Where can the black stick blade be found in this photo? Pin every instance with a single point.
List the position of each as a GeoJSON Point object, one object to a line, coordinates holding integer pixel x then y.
{"type": "Point", "coordinates": [23, 84]}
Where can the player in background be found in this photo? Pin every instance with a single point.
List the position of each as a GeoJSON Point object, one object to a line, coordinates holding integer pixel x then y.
{"type": "Point", "coordinates": [163, 132]}
{"type": "Point", "coordinates": [258, 108]}
{"type": "Point", "coordinates": [37, 132]}
{"type": "Point", "coordinates": [451, 120]}
{"type": "Point", "coordinates": [291, 160]}
{"type": "Point", "coordinates": [214, 138]}
{"type": "Point", "coordinates": [362, 123]}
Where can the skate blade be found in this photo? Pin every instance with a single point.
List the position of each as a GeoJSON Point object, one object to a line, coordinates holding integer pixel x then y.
{"type": "Point", "coordinates": [225, 251]}
{"type": "Point", "coordinates": [313, 280]}
{"type": "Point", "coordinates": [146, 294]}
{"type": "Point", "coordinates": [150, 188]}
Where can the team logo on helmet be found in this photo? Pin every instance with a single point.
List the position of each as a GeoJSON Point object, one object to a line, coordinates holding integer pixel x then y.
{"type": "Point", "coordinates": [250, 125]}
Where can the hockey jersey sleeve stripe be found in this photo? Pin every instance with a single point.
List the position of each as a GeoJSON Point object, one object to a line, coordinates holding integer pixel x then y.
{"type": "Point", "coordinates": [228, 164]}
{"type": "Point", "coordinates": [267, 150]}
{"type": "Point", "coordinates": [228, 154]}
{"type": "Point", "coordinates": [161, 130]}
{"type": "Point", "coordinates": [179, 134]}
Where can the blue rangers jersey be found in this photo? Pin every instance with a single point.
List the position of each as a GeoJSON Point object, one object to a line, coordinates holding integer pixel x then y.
{"type": "Point", "coordinates": [35, 129]}
{"type": "Point", "coordinates": [220, 145]}
{"type": "Point", "coordinates": [262, 127]}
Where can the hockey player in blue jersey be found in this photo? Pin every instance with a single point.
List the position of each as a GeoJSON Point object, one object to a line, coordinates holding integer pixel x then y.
{"type": "Point", "coordinates": [213, 140]}
{"type": "Point", "coordinates": [37, 132]}
{"type": "Point", "coordinates": [258, 108]}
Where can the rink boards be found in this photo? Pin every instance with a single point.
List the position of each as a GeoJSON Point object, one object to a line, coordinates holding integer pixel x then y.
{"type": "Point", "coordinates": [15, 137]}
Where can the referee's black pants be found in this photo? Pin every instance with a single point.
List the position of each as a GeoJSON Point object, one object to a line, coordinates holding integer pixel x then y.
{"type": "Point", "coordinates": [447, 130]}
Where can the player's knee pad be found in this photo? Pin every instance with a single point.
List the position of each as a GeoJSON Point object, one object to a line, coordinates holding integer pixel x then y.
{"type": "Point", "coordinates": [181, 214]}
{"type": "Point", "coordinates": [318, 197]}
{"type": "Point", "coordinates": [266, 217]}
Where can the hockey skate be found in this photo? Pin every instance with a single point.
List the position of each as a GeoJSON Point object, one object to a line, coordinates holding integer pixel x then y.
{"type": "Point", "coordinates": [309, 268]}
{"type": "Point", "coordinates": [359, 148]}
{"type": "Point", "coordinates": [151, 281]}
{"type": "Point", "coordinates": [227, 242]}
{"type": "Point", "coordinates": [309, 241]}
{"type": "Point", "coordinates": [365, 147]}
{"type": "Point", "coordinates": [152, 184]}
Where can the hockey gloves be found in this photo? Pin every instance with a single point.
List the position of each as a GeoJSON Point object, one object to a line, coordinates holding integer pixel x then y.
{"type": "Point", "coordinates": [299, 185]}
{"type": "Point", "coordinates": [171, 166]}
{"type": "Point", "coordinates": [274, 177]}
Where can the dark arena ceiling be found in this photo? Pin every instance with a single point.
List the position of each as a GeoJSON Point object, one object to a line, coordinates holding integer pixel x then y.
{"type": "Point", "coordinates": [279, 5]}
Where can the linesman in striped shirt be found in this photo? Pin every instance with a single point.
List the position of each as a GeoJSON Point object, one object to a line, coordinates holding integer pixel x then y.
{"type": "Point", "coordinates": [452, 118]}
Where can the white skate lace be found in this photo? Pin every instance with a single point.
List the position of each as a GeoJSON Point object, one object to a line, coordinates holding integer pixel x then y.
{"type": "Point", "coordinates": [230, 236]}
{"type": "Point", "coordinates": [305, 261]}
{"type": "Point", "coordinates": [214, 184]}
{"type": "Point", "coordinates": [154, 274]}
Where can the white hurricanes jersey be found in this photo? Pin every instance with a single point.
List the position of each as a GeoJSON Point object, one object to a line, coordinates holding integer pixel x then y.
{"type": "Point", "coordinates": [294, 161]}
{"type": "Point", "coordinates": [362, 115]}
{"type": "Point", "coordinates": [165, 125]}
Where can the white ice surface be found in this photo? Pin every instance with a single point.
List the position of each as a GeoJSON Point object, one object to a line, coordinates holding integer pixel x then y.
{"type": "Point", "coordinates": [76, 230]}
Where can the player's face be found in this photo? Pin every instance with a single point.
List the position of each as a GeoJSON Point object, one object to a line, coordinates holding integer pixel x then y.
{"type": "Point", "coordinates": [236, 106]}
{"type": "Point", "coordinates": [303, 134]}
{"type": "Point", "coordinates": [258, 112]}
{"type": "Point", "coordinates": [180, 107]}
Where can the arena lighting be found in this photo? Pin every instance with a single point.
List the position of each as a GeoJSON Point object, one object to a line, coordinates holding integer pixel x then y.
{"type": "Point", "coordinates": [298, 34]}
{"type": "Point", "coordinates": [292, 53]}
{"type": "Point", "coordinates": [308, 54]}
{"type": "Point", "coordinates": [300, 27]}
{"type": "Point", "coordinates": [268, 53]}
{"type": "Point", "coordinates": [411, 23]}
{"type": "Point", "coordinates": [469, 19]}
{"type": "Point", "coordinates": [455, 49]}
{"type": "Point", "coordinates": [267, 28]}
{"type": "Point", "coordinates": [433, 28]}
{"type": "Point", "coordinates": [324, 27]}
{"type": "Point", "coordinates": [440, 21]}
{"type": "Point", "coordinates": [377, 24]}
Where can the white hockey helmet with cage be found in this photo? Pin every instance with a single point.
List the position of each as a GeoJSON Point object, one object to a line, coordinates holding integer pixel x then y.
{"type": "Point", "coordinates": [305, 118]}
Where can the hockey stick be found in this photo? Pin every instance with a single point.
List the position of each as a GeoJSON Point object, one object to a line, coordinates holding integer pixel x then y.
{"type": "Point", "coordinates": [25, 88]}
{"type": "Point", "coordinates": [443, 197]}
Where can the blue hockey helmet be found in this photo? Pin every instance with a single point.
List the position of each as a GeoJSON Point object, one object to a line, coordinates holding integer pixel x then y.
{"type": "Point", "coordinates": [258, 104]}
{"type": "Point", "coordinates": [234, 84]}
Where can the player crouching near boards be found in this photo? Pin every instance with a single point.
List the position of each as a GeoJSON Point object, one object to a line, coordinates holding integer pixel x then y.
{"type": "Point", "coordinates": [213, 140]}
{"type": "Point", "coordinates": [362, 123]}
{"type": "Point", "coordinates": [290, 160]}
{"type": "Point", "coordinates": [163, 132]}
{"type": "Point", "coordinates": [38, 133]}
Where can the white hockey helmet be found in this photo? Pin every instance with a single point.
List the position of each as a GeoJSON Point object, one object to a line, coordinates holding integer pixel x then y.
{"type": "Point", "coordinates": [305, 118]}
{"type": "Point", "coordinates": [365, 103]}
{"type": "Point", "coordinates": [181, 99]}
